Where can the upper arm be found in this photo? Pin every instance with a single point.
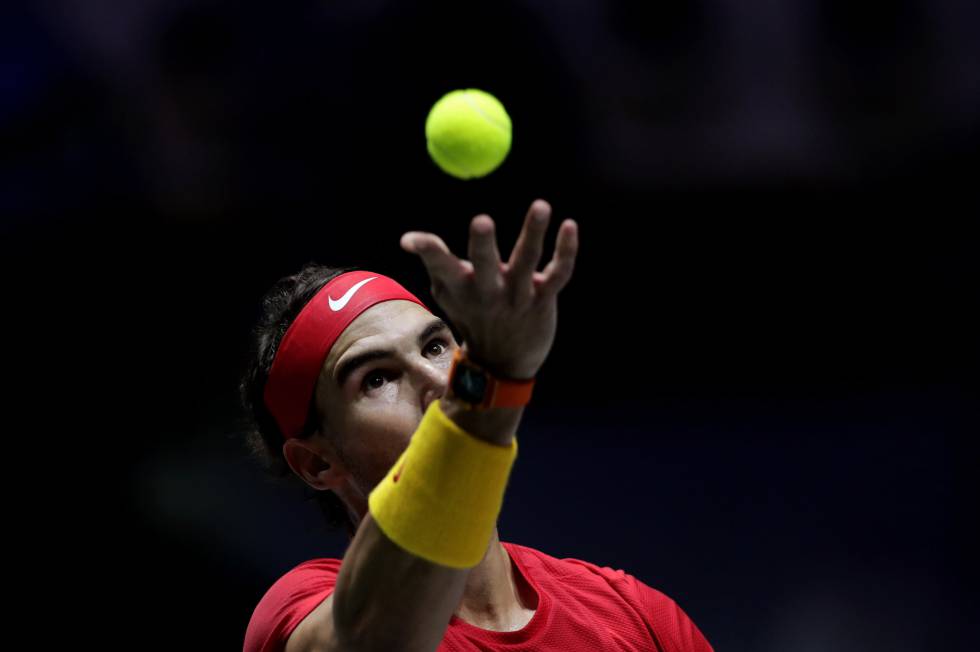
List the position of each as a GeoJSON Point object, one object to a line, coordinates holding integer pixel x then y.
{"type": "Point", "coordinates": [315, 633]}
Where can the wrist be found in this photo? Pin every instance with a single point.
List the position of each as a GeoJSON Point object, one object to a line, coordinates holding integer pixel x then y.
{"type": "Point", "coordinates": [510, 371]}
{"type": "Point", "coordinates": [494, 425]}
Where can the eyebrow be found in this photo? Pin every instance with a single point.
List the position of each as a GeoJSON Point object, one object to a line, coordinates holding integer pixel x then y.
{"type": "Point", "coordinates": [350, 366]}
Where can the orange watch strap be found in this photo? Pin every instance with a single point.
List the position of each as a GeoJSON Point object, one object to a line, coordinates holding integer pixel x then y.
{"type": "Point", "coordinates": [501, 392]}
{"type": "Point", "coordinates": [509, 393]}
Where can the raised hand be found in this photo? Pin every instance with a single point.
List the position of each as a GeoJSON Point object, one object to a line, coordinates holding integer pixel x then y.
{"type": "Point", "coordinates": [506, 312]}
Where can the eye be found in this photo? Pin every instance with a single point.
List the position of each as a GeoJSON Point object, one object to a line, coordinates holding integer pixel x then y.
{"type": "Point", "coordinates": [369, 379]}
{"type": "Point", "coordinates": [375, 378]}
{"type": "Point", "coordinates": [441, 343]}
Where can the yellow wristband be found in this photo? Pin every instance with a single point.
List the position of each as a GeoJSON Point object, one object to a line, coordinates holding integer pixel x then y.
{"type": "Point", "coordinates": [441, 499]}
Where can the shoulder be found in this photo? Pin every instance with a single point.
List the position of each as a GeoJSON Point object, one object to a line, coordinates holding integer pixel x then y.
{"type": "Point", "coordinates": [669, 620]}
{"type": "Point", "coordinates": [574, 577]}
{"type": "Point", "coordinates": [288, 601]}
{"type": "Point", "coordinates": [568, 566]}
{"type": "Point", "coordinates": [668, 623]}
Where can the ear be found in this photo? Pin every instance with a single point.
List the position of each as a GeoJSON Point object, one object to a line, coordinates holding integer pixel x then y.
{"type": "Point", "coordinates": [316, 462]}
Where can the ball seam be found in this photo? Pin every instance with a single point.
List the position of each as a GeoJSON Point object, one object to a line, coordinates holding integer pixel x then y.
{"type": "Point", "coordinates": [488, 118]}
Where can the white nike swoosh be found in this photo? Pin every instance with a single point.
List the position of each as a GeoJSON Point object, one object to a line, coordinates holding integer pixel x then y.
{"type": "Point", "coordinates": [338, 304]}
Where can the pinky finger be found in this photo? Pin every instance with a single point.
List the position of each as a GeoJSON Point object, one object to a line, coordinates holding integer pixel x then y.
{"type": "Point", "coordinates": [558, 272]}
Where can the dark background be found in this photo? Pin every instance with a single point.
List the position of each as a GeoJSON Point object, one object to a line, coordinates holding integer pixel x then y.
{"type": "Point", "coordinates": [761, 399]}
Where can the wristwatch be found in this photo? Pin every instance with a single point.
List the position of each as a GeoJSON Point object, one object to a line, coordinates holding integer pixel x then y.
{"type": "Point", "coordinates": [481, 390]}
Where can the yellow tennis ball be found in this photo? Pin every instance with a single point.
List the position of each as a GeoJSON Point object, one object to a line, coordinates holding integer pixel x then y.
{"type": "Point", "coordinates": [468, 133]}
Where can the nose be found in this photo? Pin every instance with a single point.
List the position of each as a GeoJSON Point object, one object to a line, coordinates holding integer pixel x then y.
{"type": "Point", "coordinates": [434, 382]}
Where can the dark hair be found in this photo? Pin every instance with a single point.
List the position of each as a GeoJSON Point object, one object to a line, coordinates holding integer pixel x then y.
{"type": "Point", "coordinates": [263, 438]}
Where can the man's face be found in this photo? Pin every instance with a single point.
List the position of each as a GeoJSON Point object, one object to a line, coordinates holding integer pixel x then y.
{"type": "Point", "coordinates": [370, 408]}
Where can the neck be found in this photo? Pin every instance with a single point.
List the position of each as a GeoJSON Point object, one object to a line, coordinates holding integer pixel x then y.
{"type": "Point", "coordinates": [491, 597]}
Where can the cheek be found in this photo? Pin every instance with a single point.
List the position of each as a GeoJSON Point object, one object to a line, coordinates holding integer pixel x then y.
{"type": "Point", "coordinates": [378, 437]}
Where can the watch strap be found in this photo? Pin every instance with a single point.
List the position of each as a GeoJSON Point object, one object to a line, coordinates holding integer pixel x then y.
{"type": "Point", "coordinates": [500, 391]}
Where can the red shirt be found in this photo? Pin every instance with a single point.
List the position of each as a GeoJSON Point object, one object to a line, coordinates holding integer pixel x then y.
{"type": "Point", "coordinates": [579, 607]}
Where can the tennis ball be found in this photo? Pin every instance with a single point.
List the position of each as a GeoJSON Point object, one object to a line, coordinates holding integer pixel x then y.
{"type": "Point", "coordinates": [468, 133]}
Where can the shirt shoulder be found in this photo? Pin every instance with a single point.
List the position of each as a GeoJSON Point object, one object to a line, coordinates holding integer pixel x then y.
{"type": "Point", "coordinates": [569, 568]}
{"type": "Point", "coordinates": [287, 602]}
{"type": "Point", "coordinates": [675, 628]}
{"type": "Point", "coordinates": [669, 625]}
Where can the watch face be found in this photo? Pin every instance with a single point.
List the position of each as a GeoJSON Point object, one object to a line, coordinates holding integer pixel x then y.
{"type": "Point", "coordinates": [469, 384]}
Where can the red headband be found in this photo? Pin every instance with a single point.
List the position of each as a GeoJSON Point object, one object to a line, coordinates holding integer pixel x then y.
{"type": "Point", "coordinates": [308, 339]}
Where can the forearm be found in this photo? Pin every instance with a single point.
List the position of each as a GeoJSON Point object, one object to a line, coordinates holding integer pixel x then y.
{"type": "Point", "coordinates": [388, 598]}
